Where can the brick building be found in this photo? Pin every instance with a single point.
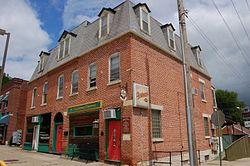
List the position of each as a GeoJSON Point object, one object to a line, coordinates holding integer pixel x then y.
{"type": "Point", "coordinates": [12, 108]}
{"type": "Point", "coordinates": [75, 93]}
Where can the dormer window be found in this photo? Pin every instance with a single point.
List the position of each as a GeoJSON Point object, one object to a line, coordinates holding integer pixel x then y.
{"type": "Point", "coordinates": [197, 51]}
{"type": "Point", "coordinates": [41, 63]}
{"type": "Point", "coordinates": [105, 15]}
{"type": "Point", "coordinates": [144, 20]}
{"type": "Point", "coordinates": [64, 48]}
{"type": "Point", "coordinates": [171, 38]}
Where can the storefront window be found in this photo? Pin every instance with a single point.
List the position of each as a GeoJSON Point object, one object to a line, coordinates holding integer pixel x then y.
{"type": "Point", "coordinates": [83, 131]}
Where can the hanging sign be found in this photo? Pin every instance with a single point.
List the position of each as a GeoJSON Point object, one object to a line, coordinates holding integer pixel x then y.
{"type": "Point", "coordinates": [140, 96]}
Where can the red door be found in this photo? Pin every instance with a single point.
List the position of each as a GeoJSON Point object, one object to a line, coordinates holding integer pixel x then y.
{"type": "Point", "coordinates": [59, 133]}
{"type": "Point", "coordinates": [114, 145]}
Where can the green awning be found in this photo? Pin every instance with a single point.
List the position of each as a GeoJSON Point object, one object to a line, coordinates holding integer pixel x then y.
{"type": "Point", "coordinates": [5, 119]}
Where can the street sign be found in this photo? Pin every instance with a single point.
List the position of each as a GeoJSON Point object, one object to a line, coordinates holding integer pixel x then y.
{"type": "Point", "coordinates": [218, 118]}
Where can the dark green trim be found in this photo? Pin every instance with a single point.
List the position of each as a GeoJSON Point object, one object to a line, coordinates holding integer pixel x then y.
{"type": "Point", "coordinates": [84, 113]}
{"type": "Point", "coordinates": [92, 106]}
{"type": "Point", "coordinates": [54, 139]}
{"type": "Point", "coordinates": [27, 146]}
{"type": "Point", "coordinates": [43, 148]}
{"type": "Point", "coordinates": [118, 113]}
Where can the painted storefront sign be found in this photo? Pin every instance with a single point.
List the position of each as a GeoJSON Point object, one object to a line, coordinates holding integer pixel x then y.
{"type": "Point", "coordinates": [85, 107]}
{"type": "Point", "coordinates": [140, 96]}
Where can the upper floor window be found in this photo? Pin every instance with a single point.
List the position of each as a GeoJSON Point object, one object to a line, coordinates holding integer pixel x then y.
{"type": "Point", "coordinates": [202, 89]}
{"type": "Point", "coordinates": [45, 93]}
{"type": "Point", "coordinates": [114, 67]}
{"type": "Point", "coordinates": [144, 20]}
{"type": "Point", "coordinates": [74, 82]}
{"type": "Point", "coordinates": [92, 75]}
{"type": "Point", "coordinates": [171, 38]}
{"type": "Point", "coordinates": [41, 63]}
{"type": "Point", "coordinates": [198, 52]}
{"type": "Point", "coordinates": [60, 85]}
{"type": "Point", "coordinates": [104, 27]}
{"type": "Point", "coordinates": [33, 100]}
{"type": "Point", "coordinates": [64, 48]}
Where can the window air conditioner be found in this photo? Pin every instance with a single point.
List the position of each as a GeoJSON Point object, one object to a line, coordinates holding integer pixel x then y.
{"type": "Point", "coordinates": [35, 119]}
{"type": "Point", "coordinates": [109, 114]}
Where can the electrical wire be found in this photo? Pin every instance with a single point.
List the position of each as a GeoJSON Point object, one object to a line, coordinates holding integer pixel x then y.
{"type": "Point", "coordinates": [241, 22]}
{"type": "Point", "coordinates": [232, 34]}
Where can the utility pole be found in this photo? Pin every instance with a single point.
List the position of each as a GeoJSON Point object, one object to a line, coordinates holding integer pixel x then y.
{"type": "Point", "coordinates": [187, 85]}
{"type": "Point", "coordinates": [3, 32]}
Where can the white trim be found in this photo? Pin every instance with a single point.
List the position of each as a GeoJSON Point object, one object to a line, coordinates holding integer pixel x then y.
{"type": "Point", "coordinates": [64, 46]}
{"type": "Point", "coordinates": [206, 115]}
{"type": "Point", "coordinates": [88, 79]}
{"type": "Point", "coordinates": [43, 103]}
{"type": "Point", "coordinates": [204, 90]}
{"type": "Point", "coordinates": [141, 20]}
{"type": "Point", "coordinates": [100, 25]}
{"type": "Point", "coordinates": [170, 29]}
{"type": "Point", "coordinates": [91, 89]}
{"type": "Point", "coordinates": [117, 54]}
{"type": "Point", "coordinates": [71, 87]}
{"type": "Point", "coordinates": [157, 139]}
{"type": "Point", "coordinates": [201, 80]}
{"type": "Point", "coordinates": [33, 104]}
{"type": "Point", "coordinates": [114, 82]}
{"type": "Point", "coordinates": [156, 107]}
{"type": "Point", "coordinates": [58, 84]}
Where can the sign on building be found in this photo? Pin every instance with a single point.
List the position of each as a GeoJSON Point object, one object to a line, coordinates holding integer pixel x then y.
{"type": "Point", "coordinates": [247, 123]}
{"type": "Point", "coordinates": [140, 96]}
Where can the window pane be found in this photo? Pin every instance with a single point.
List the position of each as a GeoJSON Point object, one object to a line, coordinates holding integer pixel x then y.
{"type": "Point", "coordinates": [104, 29]}
{"type": "Point", "coordinates": [61, 50]}
{"type": "Point", "coordinates": [92, 75]}
{"type": "Point", "coordinates": [145, 26]}
{"type": "Point", "coordinates": [115, 68]}
{"type": "Point", "coordinates": [156, 123]}
{"type": "Point", "coordinates": [144, 16]}
{"type": "Point", "coordinates": [74, 82]}
{"type": "Point", "coordinates": [83, 131]}
{"type": "Point", "coordinates": [34, 97]}
{"type": "Point", "coordinates": [60, 86]}
{"type": "Point", "coordinates": [206, 128]}
{"type": "Point", "coordinates": [202, 90]}
{"type": "Point", "coordinates": [66, 47]}
{"type": "Point", "coordinates": [45, 91]}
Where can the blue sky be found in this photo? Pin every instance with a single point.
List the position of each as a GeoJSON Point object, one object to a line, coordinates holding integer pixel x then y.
{"type": "Point", "coordinates": [36, 25]}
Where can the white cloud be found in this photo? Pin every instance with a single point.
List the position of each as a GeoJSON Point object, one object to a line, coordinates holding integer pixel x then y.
{"type": "Point", "coordinates": [27, 37]}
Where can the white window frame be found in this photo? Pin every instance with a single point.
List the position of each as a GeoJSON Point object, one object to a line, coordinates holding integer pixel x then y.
{"type": "Point", "coordinates": [141, 20]}
{"type": "Point", "coordinates": [198, 53]}
{"type": "Point", "coordinates": [92, 64]}
{"type": "Point", "coordinates": [113, 56]}
{"type": "Point", "coordinates": [71, 85]}
{"type": "Point", "coordinates": [58, 86]}
{"type": "Point", "coordinates": [170, 29]}
{"type": "Point", "coordinates": [100, 24]}
{"type": "Point", "coordinates": [33, 98]}
{"type": "Point", "coordinates": [64, 44]}
{"type": "Point", "coordinates": [44, 103]}
{"type": "Point", "coordinates": [202, 82]}
{"type": "Point", "coordinates": [41, 63]}
{"type": "Point", "coordinates": [208, 123]}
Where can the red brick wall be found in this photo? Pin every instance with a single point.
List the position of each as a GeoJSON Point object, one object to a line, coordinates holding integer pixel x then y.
{"type": "Point", "coordinates": [166, 85]}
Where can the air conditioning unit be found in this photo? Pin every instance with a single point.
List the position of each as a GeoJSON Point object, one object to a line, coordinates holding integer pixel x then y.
{"type": "Point", "coordinates": [194, 91]}
{"type": "Point", "coordinates": [109, 114]}
{"type": "Point", "coordinates": [35, 119]}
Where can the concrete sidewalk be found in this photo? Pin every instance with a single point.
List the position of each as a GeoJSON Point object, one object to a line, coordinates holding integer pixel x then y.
{"type": "Point", "coordinates": [240, 162]}
{"type": "Point", "coordinates": [18, 157]}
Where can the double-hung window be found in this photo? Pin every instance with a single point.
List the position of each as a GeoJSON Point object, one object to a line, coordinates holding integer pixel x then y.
{"type": "Point", "coordinates": [171, 38]}
{"type": "Point", "coordinates": [104, 27]}
{"type": "Point", "coordinates": [64, 48]}
{"type": "Point", "coordinates": [144, 21]}
{"type": "Point", "coordinates": [74, 82]}
{"type": "Point", "coordinates": [156, 124]}
{"type": "Point", "coordinates": [92, 75]}
{"type": "Point", "coordinates": [206, 126]}
{"type": "Point", "coordinates": [114, 68]}
{"type": "Point", "coordinates": [202, 89]}
{"type": "Point", "coordinates": [45, 93]}
{"type": "Point", "coordinates": [41, 63]}
{"type": "Point", "coordinates": [60, 85]}
{"type": "Point", "coordinates": [198, 52]}
{"type": "Point", "coordinates": [33, 100]}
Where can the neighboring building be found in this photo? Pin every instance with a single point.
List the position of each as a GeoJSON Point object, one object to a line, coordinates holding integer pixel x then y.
{"type": "Point", "coordinates": [75, 93]}
{"type": "Point", "coordinates": [12, 108]}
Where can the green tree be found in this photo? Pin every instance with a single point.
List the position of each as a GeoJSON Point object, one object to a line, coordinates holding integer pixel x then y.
{"type": "Point", "coordinates": [228, 102]}
{"type": "Point", "coordinates": [6, 78]}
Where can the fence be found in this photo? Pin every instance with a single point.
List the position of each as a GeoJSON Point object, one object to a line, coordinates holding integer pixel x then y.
{"type": "Point", "coordinates": [238, 149]}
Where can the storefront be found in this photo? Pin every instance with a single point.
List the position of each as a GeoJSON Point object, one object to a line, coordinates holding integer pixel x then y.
{"type": "Point", "coordinates": [4, 121]}
{"type": "Point", "coordinates": [38, 133]}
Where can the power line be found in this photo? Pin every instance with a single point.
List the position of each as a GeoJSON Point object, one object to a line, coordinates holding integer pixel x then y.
{"type": "Point", "coordinates": [212, 45]}
{"type": "Point", "coordinates": [231, 32]}
{"type": "Point", "coordinates": [240, 20]}
{"type": "Point", "coordinates": [248, 5]}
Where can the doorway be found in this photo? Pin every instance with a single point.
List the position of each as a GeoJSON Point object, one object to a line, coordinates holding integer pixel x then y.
{"type": "Point", "coordinates": [58, 133]}
{"type": "Point", "coordinates": [114, 140]}
{"type": "Point", "coordinates": [35, 137]}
